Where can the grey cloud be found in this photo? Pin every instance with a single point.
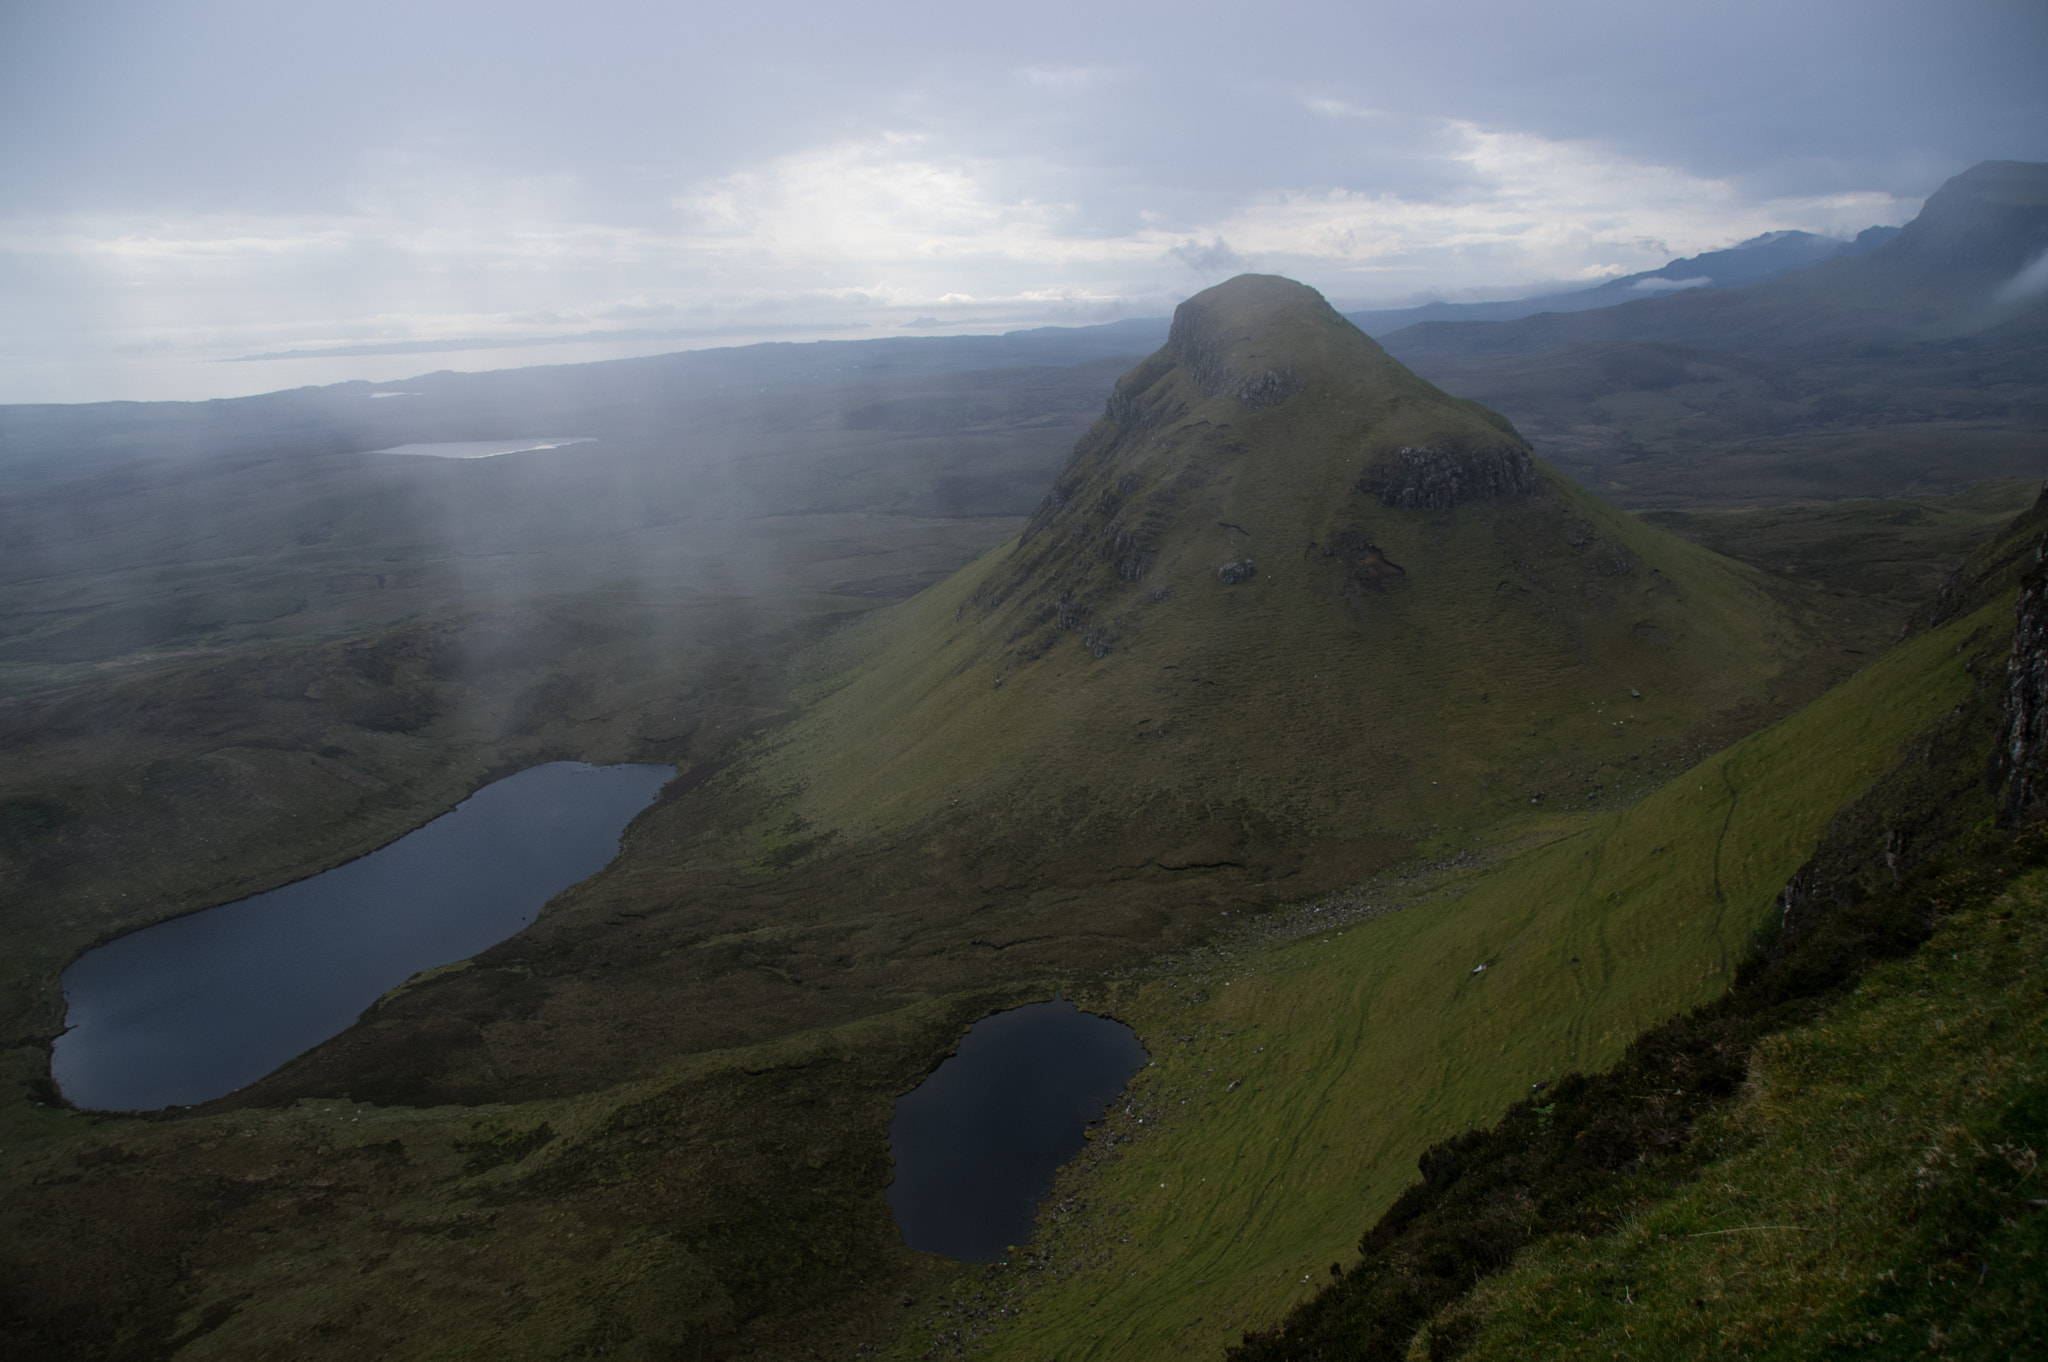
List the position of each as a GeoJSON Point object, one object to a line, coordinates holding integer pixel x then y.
{"type": "Point", "coordinates": [241, 104]}
{"type": "Point", "coordinates": [1214, 258]}
{"type": "Point", "coordinates": [422, 136]}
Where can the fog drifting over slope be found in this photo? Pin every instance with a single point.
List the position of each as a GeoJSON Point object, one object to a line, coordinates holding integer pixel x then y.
{"type": "Point", "coordinates": [225, 178]}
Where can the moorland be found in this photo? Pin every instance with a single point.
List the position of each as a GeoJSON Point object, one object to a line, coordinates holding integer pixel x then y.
{"type": "Point", "coordinates": [1258, 692]}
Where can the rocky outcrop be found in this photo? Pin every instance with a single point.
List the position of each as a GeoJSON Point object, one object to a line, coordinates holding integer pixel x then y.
{"type": "Point", "coordinates": [1202, 344]}
{"type": "Point", "coordinates": [1993, 569]}
{"type": "Point", "coordinates": [1935, 798]}
{"type": "Point", "coordinates": [1366, 568]}
{"type": "Point", "coordinates": [1430, 478]}
{"type": "Point", "coordinates": [2022, 756]}
{"type": "Point", "coordinates": [1233, 574]}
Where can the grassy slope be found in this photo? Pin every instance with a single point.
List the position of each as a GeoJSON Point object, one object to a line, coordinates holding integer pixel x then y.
{"type": "Point", "coordinates": [1888, 556]}
{"type": "Point", "coordinates": [1297, 714]}
{"type": "Point", "coordinates": [1449, 680]}
{"type": "Point", "coordinates": [732, 1201]}
{"type": "Point", "coordinates": [1380, 1040]}
{"type": "Point", "coordinates": [1884, 1199]}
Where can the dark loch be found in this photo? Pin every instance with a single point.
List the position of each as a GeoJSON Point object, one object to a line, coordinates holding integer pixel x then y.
{"type": "Point", "coordinates": [193, 1008]}
{"type": "Point", "coordinates": [978, 1142]}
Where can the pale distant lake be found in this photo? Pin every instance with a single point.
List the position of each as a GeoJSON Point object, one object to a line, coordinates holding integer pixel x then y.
{"type": "Point", "coordinates": [485, 449]}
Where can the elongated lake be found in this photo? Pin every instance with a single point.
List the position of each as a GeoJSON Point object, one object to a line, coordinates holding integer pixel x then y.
{"type": "Point", "coordinates": [978, 1142]}
{"type": "Point", "coordinates": [193, 1008]}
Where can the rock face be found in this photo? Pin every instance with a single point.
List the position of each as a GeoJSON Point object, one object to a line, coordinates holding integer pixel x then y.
{"type": "Point", "coordinates": [1420, 477]}
{"type": "Point", "coordinates": [1201, 340]}
{"type": "Point", "coordinates": [2024, 751]}
{"type": "Point", "coordinates": [1230, 574]}
{"type": "Point", "coordinates": [1992, 217]}
{"type": "Point", "coordinates": [1937, 794]}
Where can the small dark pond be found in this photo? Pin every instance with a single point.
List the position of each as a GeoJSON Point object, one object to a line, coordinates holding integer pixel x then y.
{"type": "Point", "coordinates": [193, 1008]}
{"type": "Point", "coordinates": [978, 1142]}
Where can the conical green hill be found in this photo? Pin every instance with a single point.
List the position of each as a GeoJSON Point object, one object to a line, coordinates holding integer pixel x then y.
{"type": "Point", "coordinates": [1288, 612]}
{"type": "Point", "coordinates": [1290, 615]}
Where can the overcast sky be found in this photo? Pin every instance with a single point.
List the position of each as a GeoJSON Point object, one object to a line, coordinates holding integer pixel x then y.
{"type": "Point", "coordinates": [187, 181]}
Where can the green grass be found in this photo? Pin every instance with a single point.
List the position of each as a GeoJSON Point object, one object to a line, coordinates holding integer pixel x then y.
{"type": "Point", "coordinates": [1880, 560]}
{"type": "Point", "coordinates": [1884, 1199]}
{"type": "Point", "coordinates": [1354, 1050]}
{"type": "Point", "coordinates": [734, 1196]}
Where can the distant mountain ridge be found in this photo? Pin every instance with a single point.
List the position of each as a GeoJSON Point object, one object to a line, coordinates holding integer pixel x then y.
{"type": "Point", "coordinates": [1940, 276]}
{"type": "Point", "coordinates": [1749, 262]}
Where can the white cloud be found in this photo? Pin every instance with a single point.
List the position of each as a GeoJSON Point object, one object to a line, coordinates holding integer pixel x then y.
{"type": "Point", "coordinates": [2032, 279]}
{"type": "Point", "coordinates": [874, 230]}
{"type": "Point", "coordinates": [1523, 207]}
{"type": "Point", "coordinates": [884, 198]}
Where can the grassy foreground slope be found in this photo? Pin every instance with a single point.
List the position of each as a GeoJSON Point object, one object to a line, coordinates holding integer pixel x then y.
{"type": "Point", "coordinates": [1296, 1085]}
{"type": "Point", "coordinates": [1881, 1198]}
{"type": "Point", "coordinates": [1578, 1163]}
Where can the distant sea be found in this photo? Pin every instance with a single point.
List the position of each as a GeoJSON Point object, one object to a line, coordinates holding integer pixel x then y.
{"type": "Point", "coordinates": [185, 376]}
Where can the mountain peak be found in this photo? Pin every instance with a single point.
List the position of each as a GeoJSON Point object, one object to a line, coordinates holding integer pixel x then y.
{"type": "Point", "coordinates": [1234, 338]}
{"type": "Point", "coordinates": [1288, 614]}
{"type": "Point", "coordinates": [1247, 339]}
{"type": "Point", "coordinates": [1264, 408]}
{"type": "Point", "coordinates": [1992, 217]}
